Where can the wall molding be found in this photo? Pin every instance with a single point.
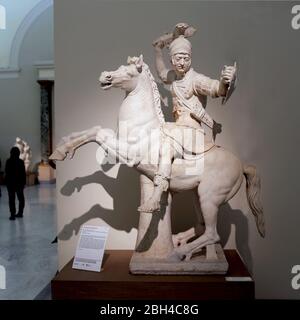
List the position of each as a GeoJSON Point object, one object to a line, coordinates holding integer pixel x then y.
{"type": "Point", "coordinates": [45, 70]}
{"type": "Point", "coordinates": [9, 73]}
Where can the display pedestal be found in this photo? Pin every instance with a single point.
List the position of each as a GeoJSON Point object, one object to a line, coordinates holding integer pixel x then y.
{"type": "Point", "coordinates": [115, 282]}
{"type": "Point", "coordinates": [46, 173]}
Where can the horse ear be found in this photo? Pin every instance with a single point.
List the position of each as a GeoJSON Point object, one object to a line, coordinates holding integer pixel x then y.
{"type": "Point", "coordinates": [129, 60]}
{"type": "Point", "coordinates": [141, 59]}
{"type": "Point", "coordinates": [139, 63]}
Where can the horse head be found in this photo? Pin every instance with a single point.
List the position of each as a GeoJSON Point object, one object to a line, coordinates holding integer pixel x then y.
{"type": "Point", "coordinates": [125, 77]}
{"type": "Point", "coordinates": [137, 77]}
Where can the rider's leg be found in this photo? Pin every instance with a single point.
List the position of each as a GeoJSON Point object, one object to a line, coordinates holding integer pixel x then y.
{"type": "Point", "coordinates": [161, 178]}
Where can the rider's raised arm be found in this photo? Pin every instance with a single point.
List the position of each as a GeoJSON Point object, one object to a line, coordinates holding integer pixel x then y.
{"type": "Point", "coordinates": [166, 75]}
{"type": "Point", "coordinates": [215, 88]}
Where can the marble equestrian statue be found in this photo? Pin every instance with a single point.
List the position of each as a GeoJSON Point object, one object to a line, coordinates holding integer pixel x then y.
{"type": "Point", "coordinates": [214, 174]}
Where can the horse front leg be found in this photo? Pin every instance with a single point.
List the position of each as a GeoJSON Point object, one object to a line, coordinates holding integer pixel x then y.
{"type": "Point", "coordinates": [70, 143]}
{"type": "Point", "coordinates": [116, 149]}
{"type": "Point", "coordinates": [182, 238]}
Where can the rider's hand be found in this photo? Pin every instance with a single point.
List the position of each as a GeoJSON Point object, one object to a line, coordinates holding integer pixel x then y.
{"type": "Point", "coordinates": [217, 128]}
{"type": "Point", "coordinates": [227, 74]}
{"type": "Point", "coordinates": [158, 45]}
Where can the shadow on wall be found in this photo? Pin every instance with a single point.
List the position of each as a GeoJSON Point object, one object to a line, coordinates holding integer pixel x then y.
{"type": "Point", "coordinates": [228, 217]}
{"type": "Point", "coordinates": [125, 217]}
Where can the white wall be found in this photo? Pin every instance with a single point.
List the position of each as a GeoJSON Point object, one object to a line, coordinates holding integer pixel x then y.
{"type": "Point", "coordinates": [20, 98]}
{"type": "Point", "coordinates": [259, 123]}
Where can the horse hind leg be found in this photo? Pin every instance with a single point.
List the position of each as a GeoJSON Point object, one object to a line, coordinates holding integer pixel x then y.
{"type": "Point", "coordinates": [209, 207]}
{"type": "Point", "coordinates": [210, 235]}
{"type": "Point", "coordinates": [182, 238]}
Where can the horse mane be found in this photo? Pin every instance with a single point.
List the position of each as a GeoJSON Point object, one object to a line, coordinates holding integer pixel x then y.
{"type": "Point", "coordinates": [155, 91]}
{"type": "Point", "coordinates": [156, 94]}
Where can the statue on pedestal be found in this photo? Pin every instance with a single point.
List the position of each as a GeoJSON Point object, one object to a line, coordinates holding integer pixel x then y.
{"type": "Point", "coordinates": [25, 153]}
{"type": "Point", "coordinates": [172, 157]}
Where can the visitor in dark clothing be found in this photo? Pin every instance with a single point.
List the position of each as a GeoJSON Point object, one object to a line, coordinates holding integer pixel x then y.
{"type": "Point", "coordinates": [0, 185]}
{"type": "Point", "coordinates": [15, 179]}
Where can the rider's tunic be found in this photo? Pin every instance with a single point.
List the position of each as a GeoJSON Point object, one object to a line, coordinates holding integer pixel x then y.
{"type": "Point", "coordinates": [189, 101]}
{"type": "Point", "coordinates": [190, 97]}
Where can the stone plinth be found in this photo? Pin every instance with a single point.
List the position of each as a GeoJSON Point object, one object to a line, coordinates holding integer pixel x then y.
{"type": "Point", "coordinates": [46, 174]}
{"type": "Point", "coordinates": [199, 264]}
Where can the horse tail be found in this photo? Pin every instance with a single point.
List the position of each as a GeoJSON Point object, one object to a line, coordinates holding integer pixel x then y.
{"type": "Point", "coordinates": [253, 188]}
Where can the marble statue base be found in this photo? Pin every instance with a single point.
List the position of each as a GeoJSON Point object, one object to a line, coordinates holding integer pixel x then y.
{"type": "Point", "coordinates": [46, 173]}
{"type": "Point", "coordinates": [201, 263]}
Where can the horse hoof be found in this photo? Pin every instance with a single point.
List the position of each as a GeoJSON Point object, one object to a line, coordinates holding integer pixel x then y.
{"type": "Point", "coordinates": [188, 257]}
{"type": "Point", "coordinates": [57, 155]}
{"type": "Point", "coordinates": [174, 257]}
{"type": "Point", "coordinates": [178, 241]}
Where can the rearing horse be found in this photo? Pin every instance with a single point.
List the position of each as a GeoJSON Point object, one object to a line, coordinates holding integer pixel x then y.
{"type": "Point", "coordinates": [215, 185]}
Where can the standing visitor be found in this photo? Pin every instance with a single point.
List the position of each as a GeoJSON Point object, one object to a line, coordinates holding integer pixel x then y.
{"type": "Point", "coordinates": [15, 178]}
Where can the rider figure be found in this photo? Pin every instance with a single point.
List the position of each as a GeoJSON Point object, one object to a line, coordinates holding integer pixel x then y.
{"type": "Point", "coordinates": [189, 94]}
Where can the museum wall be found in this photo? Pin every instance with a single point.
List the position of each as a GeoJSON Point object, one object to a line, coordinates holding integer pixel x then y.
{"type": "Point", "coordinates": [259, 121]}
{"type": "Point", "coordinates": [16, 11]}
{"type": "Point", "coordinates": [20, 97]}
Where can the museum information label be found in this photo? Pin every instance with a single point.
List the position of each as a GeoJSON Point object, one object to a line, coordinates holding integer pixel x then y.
{"type": "Point", "coordinates": [90, 248]}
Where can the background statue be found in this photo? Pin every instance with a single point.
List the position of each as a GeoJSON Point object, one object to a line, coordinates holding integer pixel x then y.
{"type": "Point", "coordinates": [25, 152]}
{"type": "Point", "coordinates": [216, 177]}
